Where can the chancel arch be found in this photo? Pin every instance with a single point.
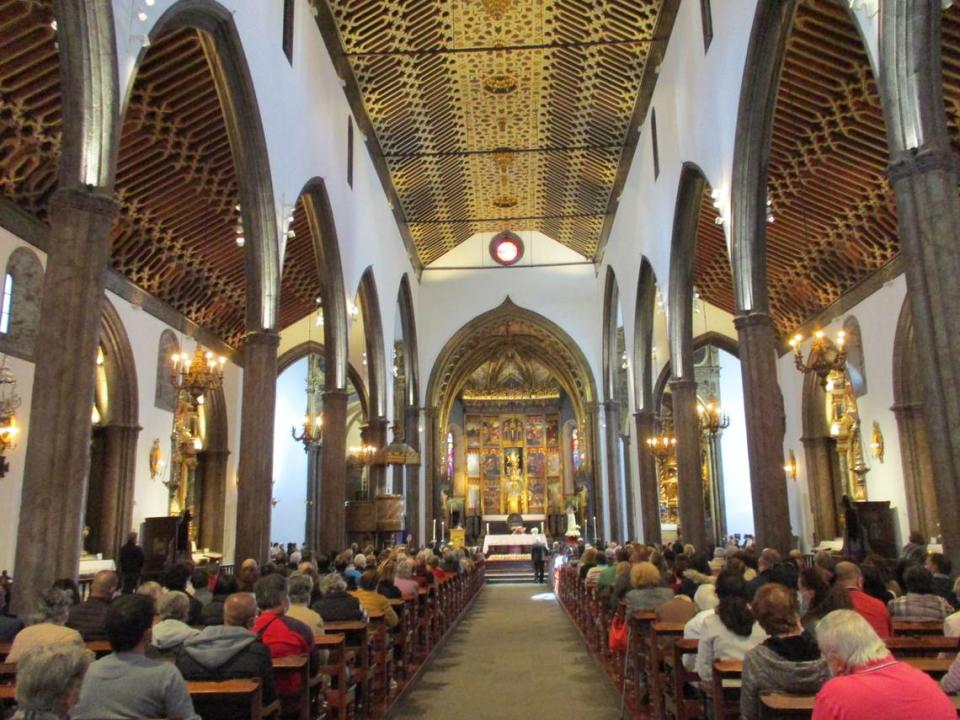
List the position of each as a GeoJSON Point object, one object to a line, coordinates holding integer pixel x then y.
{"type": "Point", "coordinates": [517, 378]}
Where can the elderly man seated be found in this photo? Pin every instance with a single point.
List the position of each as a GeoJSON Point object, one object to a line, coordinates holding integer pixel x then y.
{"type": "Point", "coordinates": [868, 682]}
{"type": "Point", "coordinates": [89, 617]}
{"type": "Point", "coordinates": [48, 681]}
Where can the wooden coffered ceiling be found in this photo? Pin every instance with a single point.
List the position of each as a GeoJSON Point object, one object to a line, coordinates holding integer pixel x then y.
{"type": "Point", "coordinates": [835, 220]}
{"type": "Point", "coordinates": [500, 114]}
{"type": "Point", "coordinates": [30, 116]}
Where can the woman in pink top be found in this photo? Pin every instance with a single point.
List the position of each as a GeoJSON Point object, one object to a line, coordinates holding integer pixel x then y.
{"type": "Point", "coordinates": [404, 578]}
{"type": "Point", "coordinates": [868, 682]}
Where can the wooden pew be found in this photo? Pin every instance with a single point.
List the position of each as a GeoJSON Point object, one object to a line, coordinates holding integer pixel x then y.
{"type": "Point", "coordinates": [725, 688]}
{"type": "Point", "coordinates": [98, 647]}
{"type": "Point", "coordinates": [243, 695]}
{"type": "Point", "coordinates": [355, 634]}
{"type": "Point", "coordinates": [781, 706]}
{"type": "Point", "coordinates": [922, 645]}
{"type": "Point", "coordinates": [297, 665]}
{"type": "Point", "coordinates": [683, 701]}
{"type": "Point", "coordinates": [935, 667]}
{"type": "Point", "coordinates": [341, 693]}
{"type": "Point", "coordinates": [662, 637]}
{"type": "Point", "coordinates": [915, 628]}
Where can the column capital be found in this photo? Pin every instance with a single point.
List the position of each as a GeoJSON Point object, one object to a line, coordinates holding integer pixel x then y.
{"type": "Point", "coordinates": [429, 412]}
{"type": "Point", "coordinates": [611, 405]}
{"type": "Point", "coordinates": [94, 200]}
{"type": "Point", "coordinates": [920, 161]}
{"type": "Point", "coordinates": [645, 416]}
{"type": "Point", "coordinates": [752, 319]}
{"type": "Point", "coordinates": [261, 338]}
{"type": "Point", "coordinates": [591, 408]}
{"type": "Point", "coordinates": [676, 383]}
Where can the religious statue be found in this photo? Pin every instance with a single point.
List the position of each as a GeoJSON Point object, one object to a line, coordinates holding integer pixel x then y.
{"type": "Point", "coordinates": [583, 504]}
{"type": "Point", "coordinates": [573, 529]}
{"type": "Point", "coordinates": [514, 485]}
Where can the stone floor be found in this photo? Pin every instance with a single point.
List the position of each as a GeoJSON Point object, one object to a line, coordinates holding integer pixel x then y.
{"type": "Point", "coordinates": [516, 655]}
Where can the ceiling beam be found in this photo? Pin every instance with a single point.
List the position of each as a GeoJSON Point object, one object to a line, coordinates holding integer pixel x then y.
{"type": "Point", "coordinates": [506, 151]}
{"type": "Point", "coordinates": [468, 221]}
{"type": "Point", "coordinates": [503, 48]}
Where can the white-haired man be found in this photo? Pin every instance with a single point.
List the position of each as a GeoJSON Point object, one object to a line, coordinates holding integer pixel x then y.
{"type": "Point", "coordinates": [867, 681]}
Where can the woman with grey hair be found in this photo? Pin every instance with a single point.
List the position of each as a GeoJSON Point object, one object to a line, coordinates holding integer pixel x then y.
{"type": "Point", "coordinates": [48, 681]}
{"type": "Point", "coordinates": [335, 602]}
{"type": "Point", "coordinates": [47, 625]}
{"type": "Point", "coordinates": [168, 635]}
{"type": "Point", "coordinates": [868, 682]}
{"type": "Point", "coordinates": [404, 579]}
{"type": "Point", "coordinates": [299, 590]}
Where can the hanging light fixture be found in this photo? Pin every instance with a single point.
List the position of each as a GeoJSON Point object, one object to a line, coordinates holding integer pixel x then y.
{"type": "Point", "coordinates": [362, 454]}
{"type": "Point", "coordinates": [197, 375]}
{"type": "Point", "coordinates": [712, 418]}
{"type": "Point", "coordinates": [825, 356]}
{"type": "Point", "coordinates": [311, 430]}
{"type": "Point", "coordinates": [663, 446]}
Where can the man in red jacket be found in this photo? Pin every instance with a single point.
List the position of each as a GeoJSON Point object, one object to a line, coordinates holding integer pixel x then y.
{"type": "Point", "coordinates": [873, 611]}
{"type": "Point", "coordinates": [283, 636]}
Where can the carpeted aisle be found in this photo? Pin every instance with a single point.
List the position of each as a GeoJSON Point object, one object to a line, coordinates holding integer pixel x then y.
{"type": "Point", "coordinates": [514, 655]}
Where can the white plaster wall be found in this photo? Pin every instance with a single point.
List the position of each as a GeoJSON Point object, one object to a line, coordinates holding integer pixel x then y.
{"type": "Point", "coordinates": [11, 485]}
{"type": "Point", "coordinates": [877, 316]}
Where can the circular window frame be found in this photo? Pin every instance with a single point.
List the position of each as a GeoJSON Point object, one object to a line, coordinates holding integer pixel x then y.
{"type": "Point", "coordinates": [503, 237]}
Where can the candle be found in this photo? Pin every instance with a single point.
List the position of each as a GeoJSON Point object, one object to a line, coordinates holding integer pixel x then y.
{"type": "Point", "coordinates": [594, 528]}
{"type": "Point", "coordinates": [443, 529]}
{"type": "Point", "coordinates": [488, 528]}
{"type": "Point", "coordinates": [541, 527]}
{"type": "Point", "coordinates": [434, 529]}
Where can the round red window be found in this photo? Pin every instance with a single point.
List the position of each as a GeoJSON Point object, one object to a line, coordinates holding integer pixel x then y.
{"type": "Point", "coordinates": [506, 248]}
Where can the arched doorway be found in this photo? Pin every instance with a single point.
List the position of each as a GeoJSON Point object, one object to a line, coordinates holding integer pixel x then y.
{"type": "Point", "coordinates": [908, 408]}
{"type": "Point", "coordinates": [108, 512]}
{"type": "Point", "coordinates": [616, 414]}
{"type": "Point", "coordinates": [515, 379]}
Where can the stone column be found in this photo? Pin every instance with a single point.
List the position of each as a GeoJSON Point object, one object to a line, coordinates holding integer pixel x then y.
{"type": "Point", "coordinates": [58, 437]}
{"type": "Point", "coordinates": [255, 485]}
{"type": "Point", "coordinates": [590, 434]}
{"type": "Point", "coordinates": [429, 459]}
{"type": "Point", "coordinates": [689, 478]}
{"type": "Point", "coordinates": [918, 472]}
{"type": "Point", "coordinates": [314, 461]}
{"type": "Point", "coordinates": [611, 409]}
{"type": "Point", "coordinates": [629, 533]}
{"type": "Point", "coordinates": [818, 455]}
{"type": "Point", "coordinates": [377, 437]}
{"type": "Point", "coordinates": [647, 480]}
{"type": "Point", "coordinates": [332, 493]}
{"type": "Point", "coordinates": [765, 420]}
{"type": "Point", "coordinates": [411, 473]}
{"type": "Point", "coordinates": [924, 174]}
{"type": "Point", "coordinates": [213, 491]}
{"type": "Point", "coordinates": [116, 514]}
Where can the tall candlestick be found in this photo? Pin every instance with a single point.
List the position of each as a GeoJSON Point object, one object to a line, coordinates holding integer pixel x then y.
{"type": "Point", "coordinates": [443, 530]}
{"type": "Point", "coordinates": [488, 528]}
{"type": "Point", "coordinates": [594, 528]}
{"type": "Point", "coordinates": [434, 530]}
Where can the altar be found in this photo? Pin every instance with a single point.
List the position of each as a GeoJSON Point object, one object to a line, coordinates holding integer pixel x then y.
{"type": "Point", "coordinates": [511, 544]}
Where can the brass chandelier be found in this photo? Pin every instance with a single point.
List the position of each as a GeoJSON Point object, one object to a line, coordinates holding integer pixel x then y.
{"type": "Point", "coordinates": [825, 357]}
{"type": "Point", "coordinates": [712, 417]}
{"type": "Point", "coordinates": [197, 375]}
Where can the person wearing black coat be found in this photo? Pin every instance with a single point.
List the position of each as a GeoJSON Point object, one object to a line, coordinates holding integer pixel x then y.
{"type": "Point", "coordinates": [335, 603]}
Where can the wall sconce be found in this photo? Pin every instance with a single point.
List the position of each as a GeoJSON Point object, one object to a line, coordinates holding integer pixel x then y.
{"type": "Point", "coordinates": [791, 465]}
{"type": "Point", "coordinates": [876, 441]}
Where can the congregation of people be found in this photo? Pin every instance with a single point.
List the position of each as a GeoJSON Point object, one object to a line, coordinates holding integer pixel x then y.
{"type": "Point", "coordinates": [799, 625]}
{"type": "Point", "coordinates": [194, 624]}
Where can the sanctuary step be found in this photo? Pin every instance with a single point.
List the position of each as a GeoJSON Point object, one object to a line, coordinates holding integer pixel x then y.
{"type": "Point", "coordinates": [509, 569]}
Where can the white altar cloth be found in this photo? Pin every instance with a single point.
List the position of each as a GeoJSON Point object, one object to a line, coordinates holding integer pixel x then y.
{"type": "Point", "coordinates": [511, 540]}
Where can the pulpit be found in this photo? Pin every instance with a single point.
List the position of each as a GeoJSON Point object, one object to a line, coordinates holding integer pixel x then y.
{"type": "Point", "coordinates": [877, 523]}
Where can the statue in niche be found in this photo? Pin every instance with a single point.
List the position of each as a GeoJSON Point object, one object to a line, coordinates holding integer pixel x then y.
{"type": "Point", "coordinates": [514, 485]}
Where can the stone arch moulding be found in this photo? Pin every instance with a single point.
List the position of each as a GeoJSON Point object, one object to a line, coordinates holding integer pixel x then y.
{"type": "Point", "coordinates": [772, 24]}
{"type": "Point", "coordinates": [463, 352]}
{"type": "Point", "coordinates": [908, 408]}
{"type": "Point", "coordinates": [26, 271]}
{"type": "Point", "coordinates": [643, 337]}
{"type": "Point", "coordinates": [312, 347]}
{"type": "Point", "coordinates": [373, 329]}
{"type": "Point", "coordinates": [241, 113]}
{"type": "Point", "coordinates": [111, 482]}
{"type": "Point", "coordinates": [326, 246]}
{"type": "Point", "coordinates": [724, 342]}
{"type": "Point", "coordinates": [91, 94]}
{"type": "Point", "coordinates": [611, 294]}
{"type": "Point", "coordinates": [408, 323]}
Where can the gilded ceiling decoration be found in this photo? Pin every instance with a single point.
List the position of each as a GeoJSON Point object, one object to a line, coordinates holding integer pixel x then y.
{"type": "Point", "coordinates": [499, 114]}
{"type": "Point", "coordinates": [511, 376]}
{"type": "Point", "coordinates": [30, 116]}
